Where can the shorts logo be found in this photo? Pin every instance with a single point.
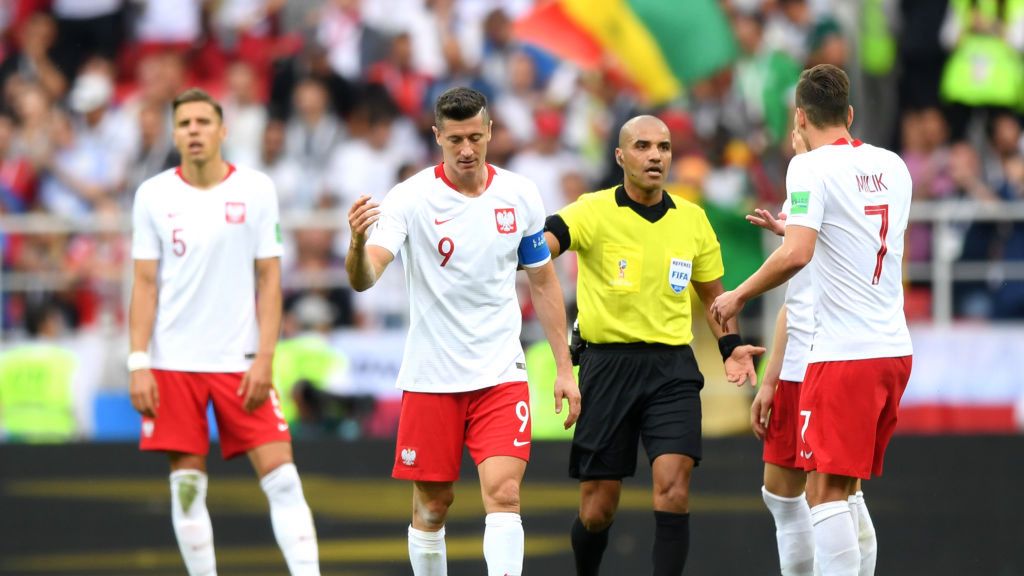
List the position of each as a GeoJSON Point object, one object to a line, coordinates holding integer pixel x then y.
{"type": "Point", "coordinates": [408, 456]}
{"type": "Point", "coordinates": [679, 272]}
{"type": "Point", "coordinates": [234, 212]}
{"type": "Point", "coordinates": [505, 218]}
{"type": "Point", "coordinates": [799, 202]}
{"type": "Point", "coordinates": [517, 442]}
{"type": "Point", "coordinates": [147, 428]}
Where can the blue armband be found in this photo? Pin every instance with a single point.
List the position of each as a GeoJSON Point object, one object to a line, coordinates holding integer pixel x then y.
{"type": "Point", "coordinates": [533, 250]}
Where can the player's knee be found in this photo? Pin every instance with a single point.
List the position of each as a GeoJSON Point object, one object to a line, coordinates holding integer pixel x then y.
{"type": "Point", "coordinates": [433, 511]}
{"type": "Point", "coordinates": [672, 497]}
{"type": "Point", "coordinates": [597, 517]}
{"type": "Point", "coordinates": [504, 496]}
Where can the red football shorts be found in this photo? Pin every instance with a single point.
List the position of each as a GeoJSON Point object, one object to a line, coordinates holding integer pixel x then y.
{"type": "Point", "coordinates": [784, 426]}
{"type": "Point", "coordinates": [180, 423]}
{"type": "Point", "coordinates": [432, 428]}
{"type": "Point", "coordinates": [848, 414]}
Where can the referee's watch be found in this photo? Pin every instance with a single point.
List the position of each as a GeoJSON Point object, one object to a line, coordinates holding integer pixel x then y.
{"type": "Point", "coordinates": [728, 343]}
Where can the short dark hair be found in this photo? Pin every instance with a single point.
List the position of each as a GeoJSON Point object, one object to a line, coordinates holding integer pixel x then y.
{"type": "Point", "coordinates": [459, 103]}
{"type": "Point", "coordinates": [197, 95]}
{"type": "Point", "coordinates": [824, 95]}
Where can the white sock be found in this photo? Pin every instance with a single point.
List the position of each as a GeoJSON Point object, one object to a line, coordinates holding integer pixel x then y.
{"type": "Point", "coordinates": [427, 552]}
{"type": "Point", "coordinates": [835, 539]}
{"type": "Point", "coordinates": [503, 544]}
{"type": "Point", "coordinates": [793, 531]}
{"type": "Point", "coordinates": [866, 537]}
{"type": "Point", "coordinates": [191, 521]}
{"type": "Point", "coordinates": [292, 520]}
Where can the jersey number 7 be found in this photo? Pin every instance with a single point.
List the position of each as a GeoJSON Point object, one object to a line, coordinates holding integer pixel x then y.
{"type": "Point", "coordinates": [883, 211]}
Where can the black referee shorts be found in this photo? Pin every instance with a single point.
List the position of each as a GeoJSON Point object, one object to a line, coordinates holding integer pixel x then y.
{"type": "Point", "coordinates": [632, 392]}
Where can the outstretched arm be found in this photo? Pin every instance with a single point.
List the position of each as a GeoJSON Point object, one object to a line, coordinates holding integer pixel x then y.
{"type": "Point", "coordinates": [364, 264]}
{"type": "Point", "coordinates": [739, 363]}
{"type": "Point", "coordinates": [547, 300]}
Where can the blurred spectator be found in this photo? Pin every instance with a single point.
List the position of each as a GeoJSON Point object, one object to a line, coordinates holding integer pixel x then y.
{"type": "Point", "coordinates": [788, 28]}
{"type": "Point", "coordinates": [32, 58]}
{"type": "Point", "coordinates": [87, 28]}
{"type": "Point", "coordinates": [76, 175]}
{"type": "Point", "coordinates": [406, 85]}
{"type": "Point", "coordinates": [515, 106]}
{"type": "Point", "coordinates": [457, 73]}
{"type": "Point", "coordinates": [155, 152]}
{"type": "Point", "coordinates": [927, 156]}
{"type": "Point", "coordinates": [312, 133]}
{"type": "Point", "coordinates": [101, 126]}
{"type": "Point", "coordinates": [250, 30]}
{"type": "Point", "coordinates": [763, 81]}
{"type": "Point", "coordinates": [283, 170]}
{"type": "Point", "coordinates": [168, 25]}
{"type": "Point", "coordinates": [317, 269]}
{"type": "Point", "coordinates": [96, 263]}
{"type": "Point", "coordinates": [547, 162]}
{"type": "Point", "coordinates": [37, 382]}
{"type": "Point", "coordinates": [350, 44]}
{"type": "Point", "coordinates": [17, 176]}
{"type": "Point", "coordinates": [245, 114]}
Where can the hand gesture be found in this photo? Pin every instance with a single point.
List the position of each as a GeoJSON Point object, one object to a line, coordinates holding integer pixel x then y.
{"type": "Point", "coordinates": [144, 392]}
{"type": "Point", "coordinates": [761, 409]}
{"type": "Point", "coordinates": [363, 213]}
{"type": "Point", "coordinates": [764, 219]}
{"type": "Point", "coordinates": [567, 388]}
{"type": "Point", "coordinates": [725, 307]}
{"type": "Point", "coordinates": [256, 384]}
{"type": "Point", "coordinates": [739, 367]}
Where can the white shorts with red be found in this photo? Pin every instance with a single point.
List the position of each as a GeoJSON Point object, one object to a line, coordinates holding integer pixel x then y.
{"type": "Point", "coordinates": [780, 441]}
{"type": "Point", "coordinates": [433, 428]}
{"type": "Point", "coordinates": [848, 412]}
{"type": "Point", "coordinates": [180, 424]}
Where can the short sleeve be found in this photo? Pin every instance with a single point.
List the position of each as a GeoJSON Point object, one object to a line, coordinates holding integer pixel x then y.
{"type": "Point", "coordinates": [392, 228]}
{"type": "Point", "coordinates": [805, 195]}
{"type": "Point", "coordinates": [269, 224]}
{"type": "Point", "coordinates": [535, 209]}
{"type": "Point", "coordinates": [145, 238]}
{"type": "Point", "coordinates": [707, 265]}
{"type": "Point", "coordinates": [576, 218]}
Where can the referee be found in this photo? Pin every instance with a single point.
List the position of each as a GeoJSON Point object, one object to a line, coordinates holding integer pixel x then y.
{"type": "Point", "coordinates": [638, 249]}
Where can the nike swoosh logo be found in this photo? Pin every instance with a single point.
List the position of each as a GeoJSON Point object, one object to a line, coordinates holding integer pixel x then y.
{"type": "Point", "coordinates": [282, 427]}
{"type": "Point", "coordinates": [439, 222]}
{"type": "Point", "coordinates": [517, 443]}
{"type": "Point", "coordinates": [806, 454]}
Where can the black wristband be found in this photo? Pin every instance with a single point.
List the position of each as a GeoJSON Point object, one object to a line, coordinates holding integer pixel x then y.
{"type": "Point", "coordinates": [728, 343]}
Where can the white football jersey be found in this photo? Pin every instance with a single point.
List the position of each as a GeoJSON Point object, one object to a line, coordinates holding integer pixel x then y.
{"type": "Point", "coordinates": [799, 322]}
{"type": "Point", "coordinates": [460, 256]}
{"type": "Point", "coordinates": [207, 242]}
{"type": "Point", "coordinates": [857, 197]}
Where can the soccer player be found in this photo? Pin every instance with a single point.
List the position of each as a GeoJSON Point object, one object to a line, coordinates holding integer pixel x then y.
{"type": "Point", "coordinates": [638, 249]}
{"type": "Point", "coordinates": [463, 227]}
{"type": "Point", "coordinates": [849, 207]}
{"type": "Point", "coordinates": [204, 319]}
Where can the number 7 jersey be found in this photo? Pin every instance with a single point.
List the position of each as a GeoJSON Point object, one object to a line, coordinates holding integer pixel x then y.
{"type": "Point", "coordinates": [857, 197]}
{"type": "Point", "coordinates": [460, 256]}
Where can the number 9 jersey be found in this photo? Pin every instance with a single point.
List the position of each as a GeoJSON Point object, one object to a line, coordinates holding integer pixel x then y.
{"type": "Point", "coordinates": [460, 255]}
{"type": "Point", "coordinates": [857, 197]}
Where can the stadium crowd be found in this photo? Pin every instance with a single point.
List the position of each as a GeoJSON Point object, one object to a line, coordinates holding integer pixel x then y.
{"type": "Point", "coordinates": [333, 99]}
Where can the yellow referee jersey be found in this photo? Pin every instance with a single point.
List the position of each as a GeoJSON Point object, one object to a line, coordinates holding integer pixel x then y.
{"type": "Point", "coordinates": [633, 272]}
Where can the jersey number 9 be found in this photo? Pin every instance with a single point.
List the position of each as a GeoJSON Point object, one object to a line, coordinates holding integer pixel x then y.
{"type": "Point", "coordinates": [446, 247]}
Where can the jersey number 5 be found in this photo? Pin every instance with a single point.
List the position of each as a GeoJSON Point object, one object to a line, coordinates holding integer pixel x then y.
{"type": "Point", "coordinates": [177, 242]}
{"type": "Point", "coordinates": [883, 211]}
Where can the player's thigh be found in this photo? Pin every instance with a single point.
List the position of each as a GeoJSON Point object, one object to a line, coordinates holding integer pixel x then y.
{"type": "Point", "coordinates": [498, 422]}
{"type": "Point", "coordinates": [780, 441]}
{"type": "Point", "coordinates": [241, 430]}
{"type": "Point", "coordinates": [180, 424]}
{"type": "Point", "coordinates": [840, 406]}
{"type": "Point", "coordinates": [783, 481]}
{"type": "Point", "coordinates": [500, 479]}
{"type": "Point", "coordinates": [431, 432]}
{"type": "Point", "coordinates": [893, 375]}
{"type": "Point", "coordinates": [604, 442]}
{"type": "Point", "coordinates": [671, 421]}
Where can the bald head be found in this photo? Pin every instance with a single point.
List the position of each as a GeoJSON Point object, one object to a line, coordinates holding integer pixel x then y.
{"type": "Point", "coordinates": [638, 124]}
{"type": "Point", "coordinates": [644, 153]}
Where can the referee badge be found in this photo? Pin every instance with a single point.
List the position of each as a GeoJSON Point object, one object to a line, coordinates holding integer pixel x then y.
{"type": "Point", "coordinates": [679, 274]}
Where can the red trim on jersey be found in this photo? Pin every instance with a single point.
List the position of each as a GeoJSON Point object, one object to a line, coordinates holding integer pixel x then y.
{"type": "Point", "coordinates": [439, 173]}
{"type": "Point", "coordinates": [231, 170]}
{"type": "Point", "coordinates": [844, 142]}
